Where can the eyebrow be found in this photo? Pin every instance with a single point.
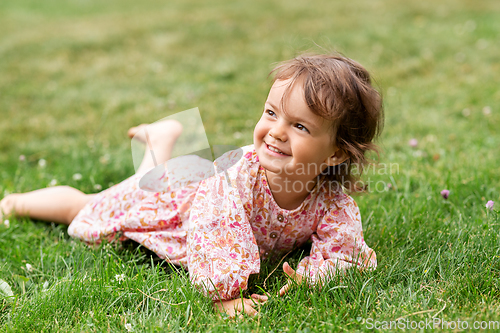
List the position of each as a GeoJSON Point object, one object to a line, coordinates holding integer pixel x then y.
{"type": "Point", "coordinates": [272, 105]}
{"type": "Point", "coordinates": [301, 121]}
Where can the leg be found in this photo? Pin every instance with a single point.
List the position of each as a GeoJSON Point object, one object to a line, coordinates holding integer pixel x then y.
{"type": "Point", "coordinates": [61, 203]}
{"type": "Point", "coordinates": [54, 204]}
{"type": "Point", "coordinates": [159, 137]}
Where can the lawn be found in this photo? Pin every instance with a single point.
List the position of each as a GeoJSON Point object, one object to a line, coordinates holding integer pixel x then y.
{"type": "Point", "coordinates": [75, 75]}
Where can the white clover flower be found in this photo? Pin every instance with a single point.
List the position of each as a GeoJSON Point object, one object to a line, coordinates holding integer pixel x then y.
{"type": "Point", "coordinates": [53, 182]}
{"type": "Point", "coordinates": [22, 158]}
{"type": "Point", "coordinates": [418, 153]}
{"type": "Point", "coordinates": [29, 268]}
{"type": "Point", "coordinates": [6, 223]}
{"type": "Point", "coordinates": [104, 159]}
{"type": "Point", "coordinates": [128, 327]}
{"type": "Point", "coordinates": [42, 163]}
{"type": "Point", "coordinates": [77, 176]}
{"type": "Point", "coordinates": [120, 277]}
{"type": "Point", "coordinates": [97, 187]}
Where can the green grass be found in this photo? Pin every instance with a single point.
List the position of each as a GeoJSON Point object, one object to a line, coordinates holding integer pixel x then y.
{"type": "Point", "coordinates": [75, 75]}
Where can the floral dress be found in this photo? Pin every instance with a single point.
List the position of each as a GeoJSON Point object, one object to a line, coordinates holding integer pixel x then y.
{"type": "Point", "coordinates": [220, 228]}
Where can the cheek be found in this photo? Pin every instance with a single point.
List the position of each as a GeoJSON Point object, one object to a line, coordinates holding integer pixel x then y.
{"type": "Point", "coordinates": [259, 131]}
{"type": "Point", "coordinates": [308, 149]}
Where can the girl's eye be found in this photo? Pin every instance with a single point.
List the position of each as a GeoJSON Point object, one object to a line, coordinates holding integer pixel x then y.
{"type": "Point", "coordinates": [302, 128]}
{"type": "Point", "coordinates": [270, 112]}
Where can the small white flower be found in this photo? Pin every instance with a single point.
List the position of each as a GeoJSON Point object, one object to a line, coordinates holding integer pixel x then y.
{"type": "Point", "coordinates": [97, 187]}
{"type": "Point", "coordinates": [91, 313]}
{"type": "Point", "coordinates": [77, 176]}
{"type": "Point", "coordinates": [120, 277]}
{"type": "Point", "coordinates": [42, 163]}
{"type": "Point", "coordinates": [487, 110]}
{"type": "Point", "coordinates": [45, 285]}
{"type": "Point", "coordinates": [418, 153]}
{"type": "Point", "coordinates": [128, 327]}
{"type": "Point", "coordinates": [53, 182]}
{"type": "Point", "coordinates": [6, 223]}
{"type": "Point", "coordinates": [22, 158]}
{"type": "Point", "coordinates": [237, 135]}
{"type": "Point", "coordinates": [29, 268]}
{"type": "Point", "coordinates": [104, 159]}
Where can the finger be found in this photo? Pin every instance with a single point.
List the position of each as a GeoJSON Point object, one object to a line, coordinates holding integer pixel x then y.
{"type": "Point", "coordinates": [284, 289]}
{"type": "Point", "coordinates": [221, 309]}
{"type": "Point", "coordinates": [249, 310]}
{"type": "Point", "coordinates": [292, 273]}
{"type": "Point", "coordinates": [243, 305]}
{"type": "Point", "coordinates": [288, 270]}
{"type": "Point", "coordinates": [232, 313]}
{"type": "Point", "coordinates": [246, 306]}
{"type": "Point", "coordinates": [260, 298]}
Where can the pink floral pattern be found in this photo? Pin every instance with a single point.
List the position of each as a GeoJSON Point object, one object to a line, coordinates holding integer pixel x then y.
{"type": "Point", "coordinates": [221, 228]}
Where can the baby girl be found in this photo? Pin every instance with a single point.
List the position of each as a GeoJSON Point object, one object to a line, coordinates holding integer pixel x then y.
{"type": "Point", "coordinates": [319, 120]}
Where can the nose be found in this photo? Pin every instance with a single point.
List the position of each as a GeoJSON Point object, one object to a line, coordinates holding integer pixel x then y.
{"type": "Point", "coordinates": [278, 131]}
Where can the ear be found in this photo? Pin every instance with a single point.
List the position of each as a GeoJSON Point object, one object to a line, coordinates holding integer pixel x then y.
{"type": "Point", "coordinates": [338, 157]}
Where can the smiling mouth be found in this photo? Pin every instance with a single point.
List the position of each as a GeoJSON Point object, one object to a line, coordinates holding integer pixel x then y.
{"type": "Point", "coordinates": [276, 150]}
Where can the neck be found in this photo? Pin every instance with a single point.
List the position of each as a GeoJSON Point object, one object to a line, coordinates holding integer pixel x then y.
{"type": "Point", "coordinates": [289, 193]}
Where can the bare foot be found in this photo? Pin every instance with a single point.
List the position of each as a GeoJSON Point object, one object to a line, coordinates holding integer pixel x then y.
{"type": "Point", "coordinates": [164, 130]}
{"type": "Point", "coordinates": [7, 205]}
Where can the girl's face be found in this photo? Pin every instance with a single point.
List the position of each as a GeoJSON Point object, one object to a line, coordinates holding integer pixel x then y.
{"type": "Point", "coordinates": [296, 144]}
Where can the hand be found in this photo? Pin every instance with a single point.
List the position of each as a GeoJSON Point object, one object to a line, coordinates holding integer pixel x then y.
{"type": "Point", "coordinates": [292, 275]}
{"type": "Point", "coordinates": [238, 305]}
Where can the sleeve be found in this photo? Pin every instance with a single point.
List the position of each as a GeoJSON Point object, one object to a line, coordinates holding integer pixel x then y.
{"type": "Point", "coordinates": [337, 244]}
{"type": "Point", "coordinates": [221, 248]}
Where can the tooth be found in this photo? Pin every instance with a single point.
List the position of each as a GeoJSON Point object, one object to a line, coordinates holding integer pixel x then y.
{"type": "Point", "coordinates": [276, 150]}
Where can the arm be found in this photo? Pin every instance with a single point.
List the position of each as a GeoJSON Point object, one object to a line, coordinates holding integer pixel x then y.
{"type": "Point", "coordinates": [338, 244]}
{"type": "Point", "coordinates": [222, 252]}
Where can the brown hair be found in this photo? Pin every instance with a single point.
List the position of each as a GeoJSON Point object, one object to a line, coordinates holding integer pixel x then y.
{"type": "Point", "coordinates": [339, 89]}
